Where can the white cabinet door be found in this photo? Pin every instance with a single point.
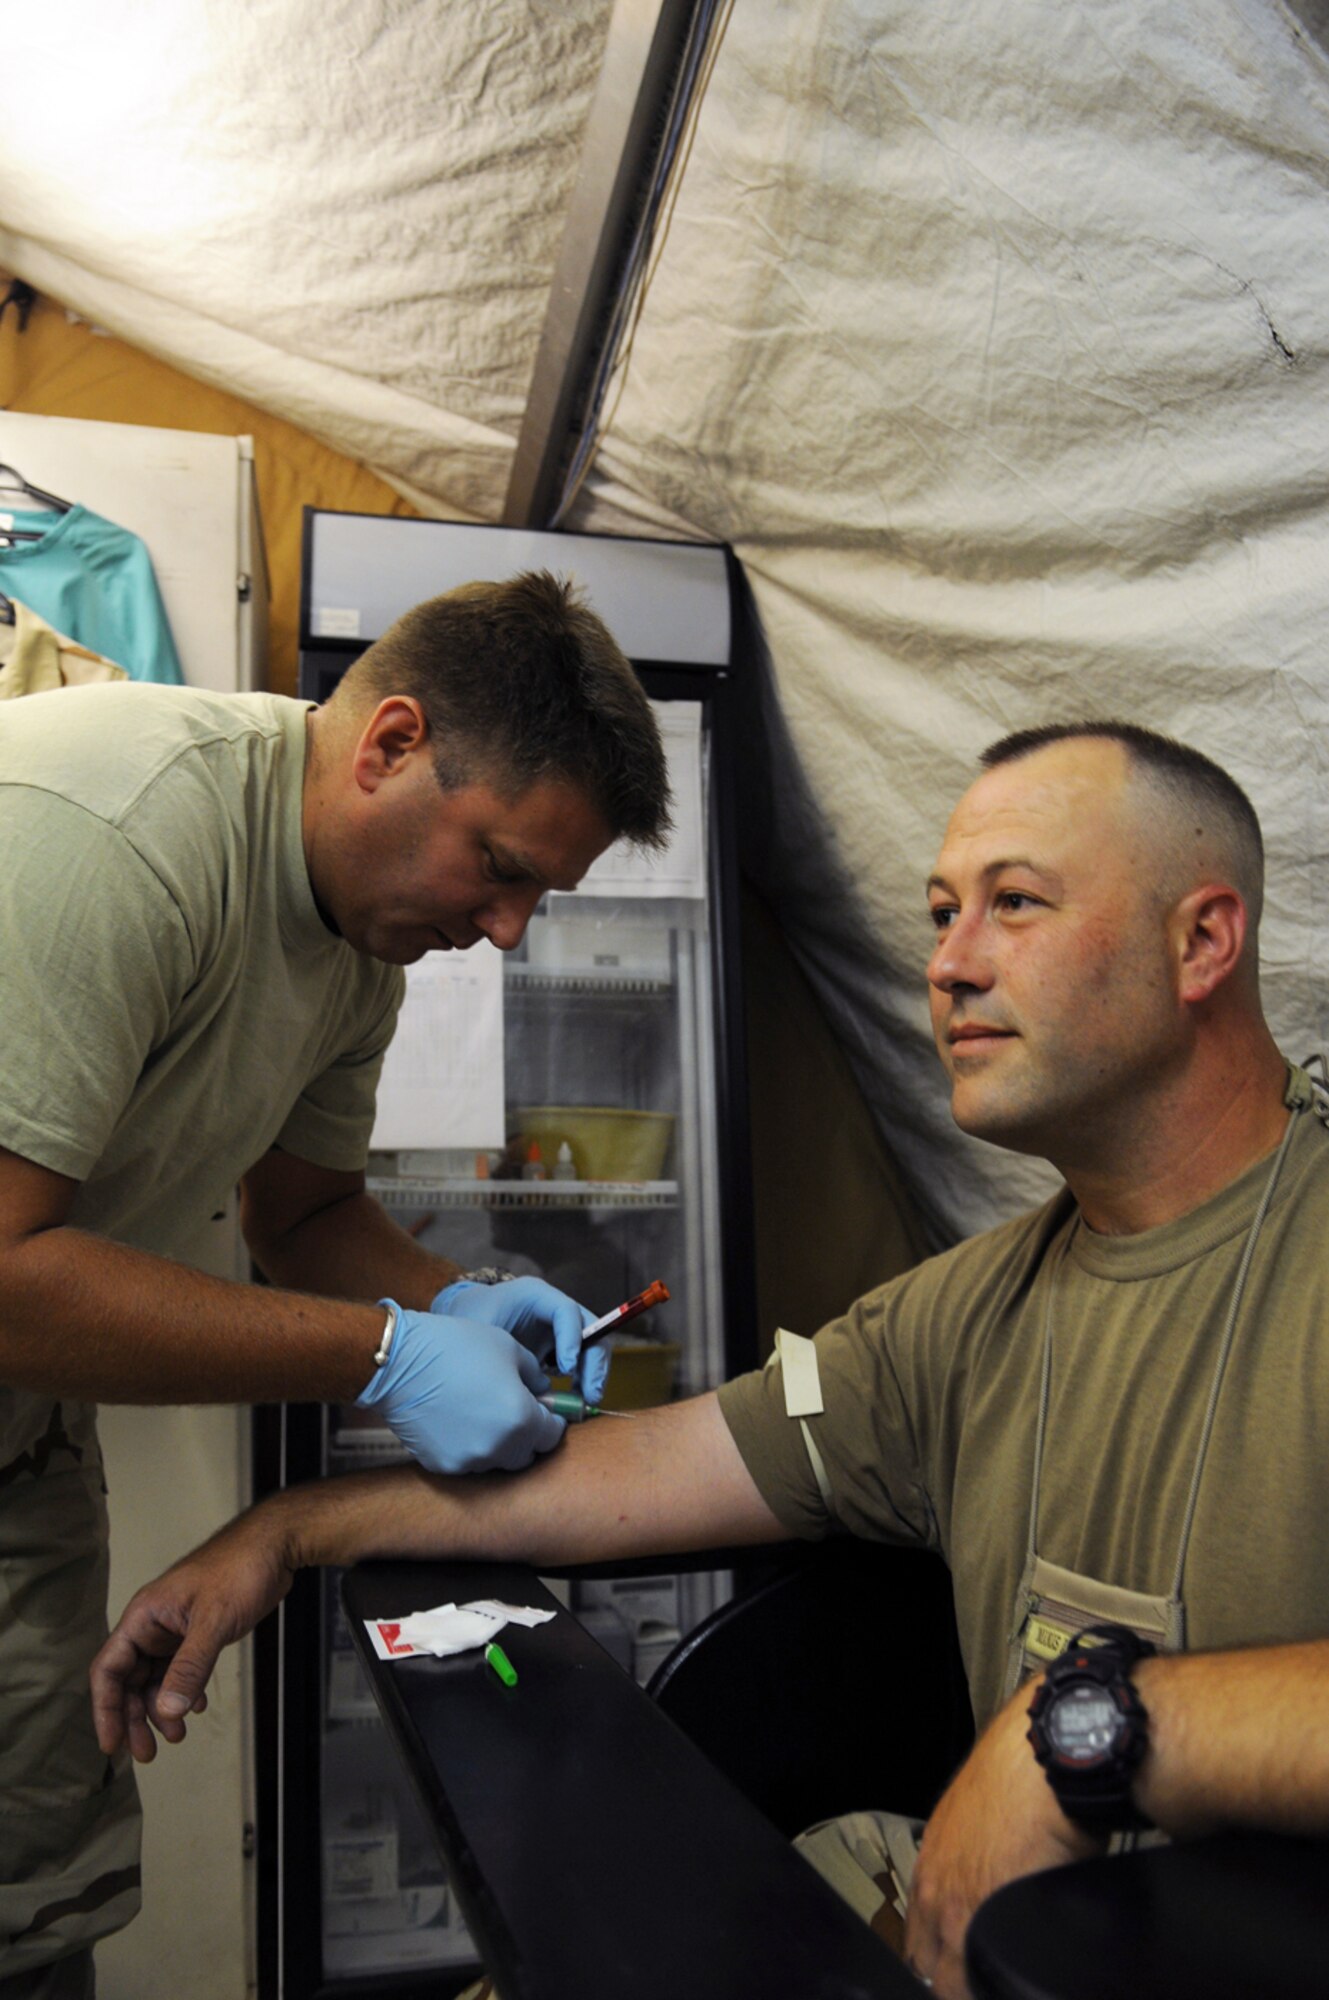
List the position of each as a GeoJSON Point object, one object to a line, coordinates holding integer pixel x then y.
{"type": "Point", "coordinates": [176, 1474]}
{"type": "Point", "coordinates": [190, 497]}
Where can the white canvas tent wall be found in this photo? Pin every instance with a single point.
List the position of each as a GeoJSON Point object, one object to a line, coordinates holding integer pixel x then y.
{"type": "Point", "coordinates": [992, 333]}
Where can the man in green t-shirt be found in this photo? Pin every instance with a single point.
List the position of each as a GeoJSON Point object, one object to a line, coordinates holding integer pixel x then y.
{"type": "Point", "coordinates": [206, 904]}
{"type": "Point", "coordinates": [1078, 1409]}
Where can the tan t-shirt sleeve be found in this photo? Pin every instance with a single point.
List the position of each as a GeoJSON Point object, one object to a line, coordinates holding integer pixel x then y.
{"type": "Point", "coordinates": [96, 957]}
{"type": "Point", "coordinates": [864, 1436]}
{"type": "Point", "coordinates": [333, 1117]}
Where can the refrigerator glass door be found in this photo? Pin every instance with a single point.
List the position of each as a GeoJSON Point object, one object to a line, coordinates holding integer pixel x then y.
{"type": "Point", "coordinates": [605, 1177]}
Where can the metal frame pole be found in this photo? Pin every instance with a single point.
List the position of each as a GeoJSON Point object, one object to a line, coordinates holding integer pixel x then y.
{"type": "Point", "coordinates": [645, 42]}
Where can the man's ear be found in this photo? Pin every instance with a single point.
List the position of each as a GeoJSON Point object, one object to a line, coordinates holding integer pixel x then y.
{"type": "Point", "coordinates": [1209, 927]}
{"type": "Point", "coordinates": [396, 728]}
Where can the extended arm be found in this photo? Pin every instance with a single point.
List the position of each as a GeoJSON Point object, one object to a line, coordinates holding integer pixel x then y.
{"type": "Point", "coordinates": [1235, 1739]}
{"type": "Point", "coordinates": [83, 1316]}
{"type": "Point", "coordinates": [311, 1227]}
{"type": "Point", "coordinates": [665, 1481]}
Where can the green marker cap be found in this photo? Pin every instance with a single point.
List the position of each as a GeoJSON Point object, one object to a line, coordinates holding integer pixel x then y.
{"type": "Point", "coordinates": [501, 1664]}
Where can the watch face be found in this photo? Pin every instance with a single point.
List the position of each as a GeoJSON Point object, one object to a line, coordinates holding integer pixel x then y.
{"type": "Point", "coordinates": [1082, 1723]}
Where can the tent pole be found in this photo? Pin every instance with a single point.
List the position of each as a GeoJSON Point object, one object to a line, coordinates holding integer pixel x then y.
{"type": "Point", "coordinates": [623, 130]}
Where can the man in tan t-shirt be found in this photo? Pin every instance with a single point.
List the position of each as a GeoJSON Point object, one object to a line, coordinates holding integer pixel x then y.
{"type": "Point", "coordinates": [205, 907]}
{"type": "Point", "coordinates": [1077, 1409]}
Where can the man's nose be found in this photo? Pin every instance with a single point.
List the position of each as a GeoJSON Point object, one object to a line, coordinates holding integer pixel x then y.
{"type": "Point", "coordinates": [504, 919]}
{"type": "Point", "coordinates": [959, 958]}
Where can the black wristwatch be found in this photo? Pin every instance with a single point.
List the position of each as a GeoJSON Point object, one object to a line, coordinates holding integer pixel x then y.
{"type": "Point", "coordinates": [1090, 1729]}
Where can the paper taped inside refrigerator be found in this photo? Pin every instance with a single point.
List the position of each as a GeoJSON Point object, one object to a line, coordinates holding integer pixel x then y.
{"type": "Point", "coordinates": [992, 334]}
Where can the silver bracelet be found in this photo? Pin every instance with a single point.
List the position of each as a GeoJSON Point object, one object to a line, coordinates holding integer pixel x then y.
{"type": "Point", "coordinates": [488, 1274]}
{"type": "Point", "coordinates": [390, 1327]}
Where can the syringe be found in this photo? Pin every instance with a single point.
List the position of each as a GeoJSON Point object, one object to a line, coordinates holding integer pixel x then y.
{"type": "Point", "coordinates": [655, 1294]}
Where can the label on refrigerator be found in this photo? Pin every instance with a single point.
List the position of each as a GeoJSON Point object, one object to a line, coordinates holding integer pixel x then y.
{"type": "Point", "coordinates": [442, 1081]}
{"type": "Point", "coordinates": [336, 622]}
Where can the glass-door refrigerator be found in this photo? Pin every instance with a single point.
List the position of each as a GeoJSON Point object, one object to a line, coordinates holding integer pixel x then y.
{"type": "Point", "coordinates": [575, 1109]}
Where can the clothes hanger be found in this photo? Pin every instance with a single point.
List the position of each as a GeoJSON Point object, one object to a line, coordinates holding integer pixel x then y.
{"type": "Point", "coordinates": [17, 481]}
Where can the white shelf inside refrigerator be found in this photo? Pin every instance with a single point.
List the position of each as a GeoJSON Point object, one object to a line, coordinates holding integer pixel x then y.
{"type": "Point", "coordinates": [430, 1191]}
{"type": "Point", "coordinates": [535, 979]}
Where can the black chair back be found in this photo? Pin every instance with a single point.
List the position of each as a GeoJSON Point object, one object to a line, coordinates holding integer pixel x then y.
{"type": "Point", "coordinates": [832, 1686]}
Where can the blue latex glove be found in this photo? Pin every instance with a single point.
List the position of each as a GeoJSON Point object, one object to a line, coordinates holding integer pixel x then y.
{"type": "Point", "coordinates": [540, 1317]}
{"type": "Point", "coordinates": [461, 1395]}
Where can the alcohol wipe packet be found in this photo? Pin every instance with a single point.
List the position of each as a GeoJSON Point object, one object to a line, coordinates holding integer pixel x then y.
{"type": "Point", "coordinates": [448, 1628]}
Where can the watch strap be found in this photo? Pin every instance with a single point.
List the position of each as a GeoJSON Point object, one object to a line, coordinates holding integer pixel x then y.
{"type": "Point", "coordinates": [1119, 1639]}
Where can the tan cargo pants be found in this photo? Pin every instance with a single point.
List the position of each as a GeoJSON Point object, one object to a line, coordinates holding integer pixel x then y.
{"type": "Point", "coordinates": [69, 1820]}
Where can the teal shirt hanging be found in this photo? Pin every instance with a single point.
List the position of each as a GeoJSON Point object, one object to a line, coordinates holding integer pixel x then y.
{"type": "Point", "coordinates": [93, 581]}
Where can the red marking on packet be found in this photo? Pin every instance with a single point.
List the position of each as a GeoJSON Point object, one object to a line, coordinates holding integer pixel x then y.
{"type": "Point", "coordinates": [390, 1633]}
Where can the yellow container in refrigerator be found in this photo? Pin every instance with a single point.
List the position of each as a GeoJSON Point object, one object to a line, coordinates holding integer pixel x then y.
{"type": "Point", "coordinates": [608, 1144]}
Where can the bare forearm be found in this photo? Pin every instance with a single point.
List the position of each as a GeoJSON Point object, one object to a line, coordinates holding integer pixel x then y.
{"type": "Point", "coordinates": [352, 1249]}
{"type": "Point", "coordinates": [1237, 1739]}
{"type": "Point", "coordinates": [668, 1480]}
{"type": "Point", "coordinates": [663, 1481]}
{"type": "Point", "coordinates": [82, 1316]}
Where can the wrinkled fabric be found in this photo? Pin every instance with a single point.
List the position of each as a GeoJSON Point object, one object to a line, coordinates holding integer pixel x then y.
{"type": "Point", "coordinates": [996, 339]}
{"type": "Point", "coordinates": [347, 213]}
{"type": "Point", "coordinates": [993, 335]}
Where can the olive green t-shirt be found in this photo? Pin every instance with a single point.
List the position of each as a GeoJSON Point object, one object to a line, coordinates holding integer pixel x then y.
{"type": "Point", "coordinates": [931, 1389]}
{"type": "Point", "coordinates": [171, 1001]}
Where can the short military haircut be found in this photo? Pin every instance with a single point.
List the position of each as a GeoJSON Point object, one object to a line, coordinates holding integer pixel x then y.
{"type": "Point", "coordinates": [1202, 805]}
{"type": "Point", "coordinates": [520, 681]}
